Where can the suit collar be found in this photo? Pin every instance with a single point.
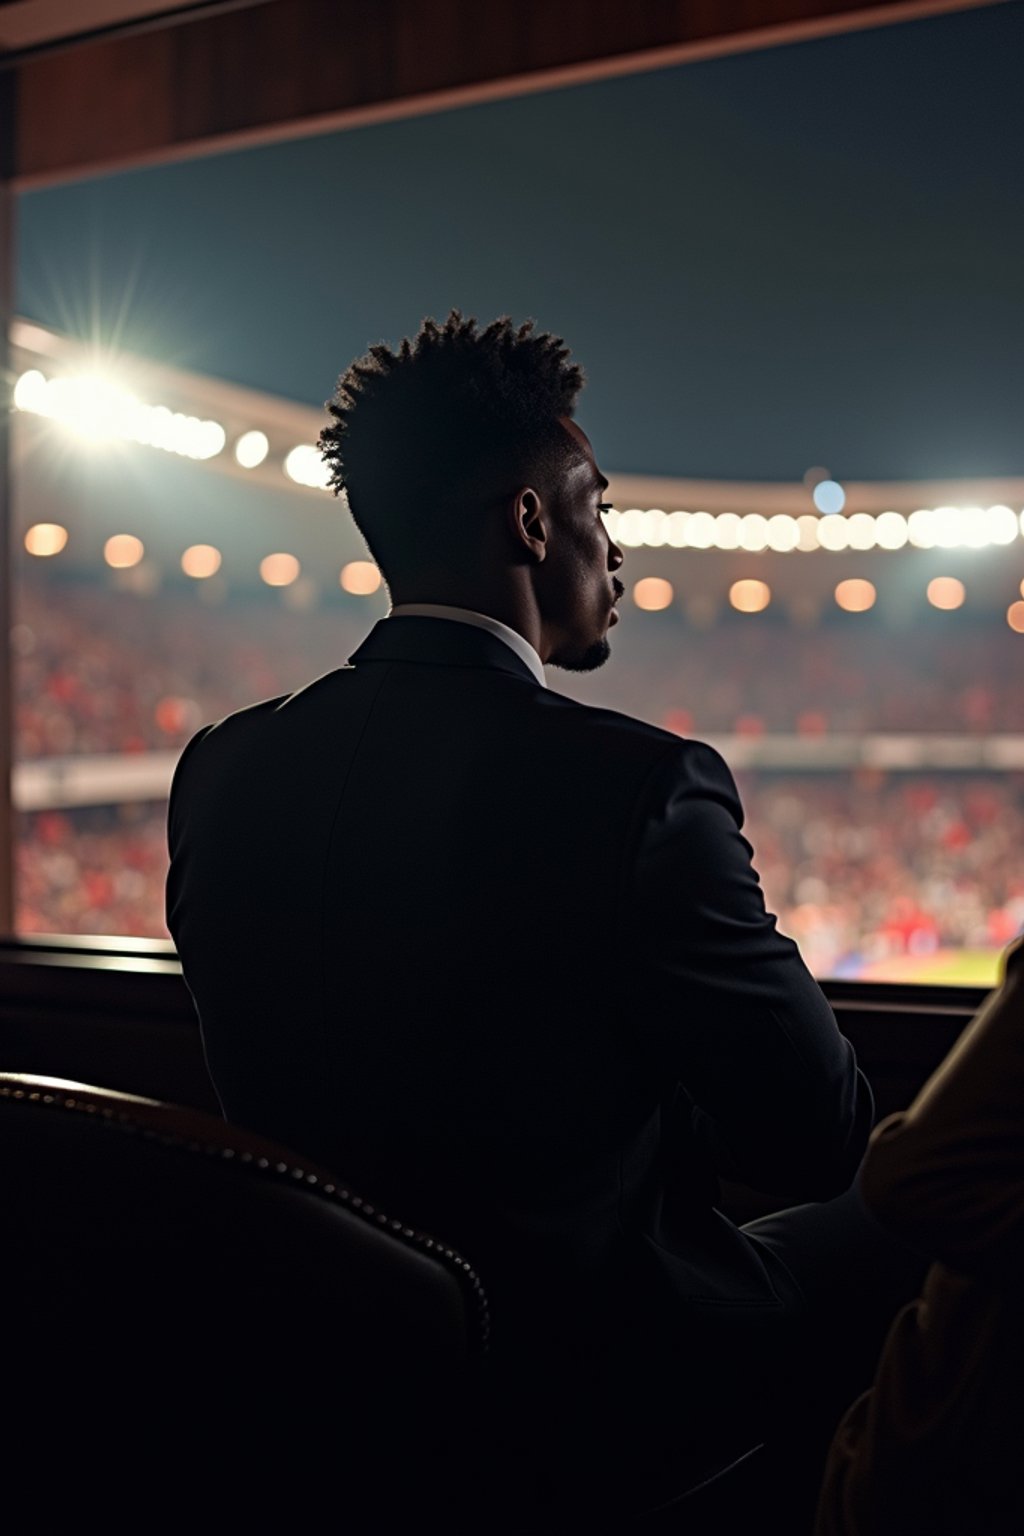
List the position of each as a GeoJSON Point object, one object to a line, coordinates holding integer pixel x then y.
{"type": "Point", "coordinates": [440, 642]}
{"type": "Point", "coordinates": [515, 641]}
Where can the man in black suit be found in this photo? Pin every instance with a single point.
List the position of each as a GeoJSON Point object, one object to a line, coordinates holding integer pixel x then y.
{"type": "Point", "coordinates": [501, 959]}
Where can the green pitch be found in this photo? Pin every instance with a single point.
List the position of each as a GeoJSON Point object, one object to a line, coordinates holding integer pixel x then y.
{"type": "Point", "coordinates": [956, 967]}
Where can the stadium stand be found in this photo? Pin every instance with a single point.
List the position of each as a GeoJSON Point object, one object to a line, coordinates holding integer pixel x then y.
{"type": "Point", "coordinates": [890, 873]}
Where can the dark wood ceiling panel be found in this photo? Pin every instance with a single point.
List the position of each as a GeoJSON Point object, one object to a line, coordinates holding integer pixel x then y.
{"type": "Point", "coordinates": [299, 66]}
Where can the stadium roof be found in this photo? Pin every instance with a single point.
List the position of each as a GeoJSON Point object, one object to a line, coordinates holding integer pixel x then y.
{"type": "Point", "coordinates": [801, 256]}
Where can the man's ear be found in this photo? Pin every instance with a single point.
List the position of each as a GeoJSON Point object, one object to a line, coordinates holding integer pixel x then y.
{"type": "Point", "coordinates": [529, 524]}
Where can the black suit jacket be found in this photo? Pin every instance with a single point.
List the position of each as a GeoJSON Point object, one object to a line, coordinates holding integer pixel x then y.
{"type": "Point", "coordinates": [503, 961]}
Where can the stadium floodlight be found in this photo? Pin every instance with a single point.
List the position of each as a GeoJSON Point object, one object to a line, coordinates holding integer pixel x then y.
{"type": "Point", "coordinates": [921, 528]}
{"type": "Point", "coordinates": [251, 449]}
{"type": "Point", "coordinates": [630, 531]}
{"type": "Point", "coordinates": [834, 533]}
{"type": "Point", "coordinates": [654, 528]}
{"type": "Point", "coordinates": [728, 530]}
{"type": "Point", "coordinates": [807, 533]}
{"type": "Point", "coordinates": [974, 527]}
{"type": "Point", "coordinates": [305, 466]}
{"type": "Point", "coordinates": [675, 529]}
{"type": "Point", "coordinates": [700, 530]}
{"type": "Point", "coordinates": [1001, 525]}
{"type": "Point", "coordinates": [861, 528]}
{"type": "Point", "coordinates": [783, 533]}
{"type": "Point", "coordinates": [950, 526]}
{"type": "Point", "coordinates": [98, 410]}
{"type": "Point", "coordinates": [754, 532]}
{"type": "Point", "coordinates": [891, 530]}
{"type": "Point", "coordinates": [30, 392]}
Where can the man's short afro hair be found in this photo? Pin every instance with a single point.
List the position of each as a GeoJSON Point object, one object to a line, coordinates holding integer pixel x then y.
{"type": "Point", "coordinates": [455, 417]}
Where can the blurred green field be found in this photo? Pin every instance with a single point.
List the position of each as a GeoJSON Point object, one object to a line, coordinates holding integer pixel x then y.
{"type": "Point", "coordinates": [946, 967]}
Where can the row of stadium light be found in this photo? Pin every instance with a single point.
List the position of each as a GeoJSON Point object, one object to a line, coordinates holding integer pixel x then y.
{"type": "Point", "coordinates": [927, 528]}
{"type": "Point", "coordinates": [97, 410]}
{"type": "Point", "coordinates": [123, 551]}
{"type": "Point", "coordinates": [855, 595]}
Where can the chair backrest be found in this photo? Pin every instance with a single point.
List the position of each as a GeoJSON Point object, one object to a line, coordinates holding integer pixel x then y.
{"type": "Point", "coordinates": [212, 1284]}
{"type": "Point", "coordinates": [106, 1190]}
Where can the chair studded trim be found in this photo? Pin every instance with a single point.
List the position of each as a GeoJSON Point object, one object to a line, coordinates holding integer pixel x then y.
{"type": "Point", "coordinates": [129, 1115]}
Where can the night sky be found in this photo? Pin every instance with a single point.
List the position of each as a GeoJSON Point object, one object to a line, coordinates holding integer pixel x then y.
{"type": "Point", "coordinates": [805, 255]}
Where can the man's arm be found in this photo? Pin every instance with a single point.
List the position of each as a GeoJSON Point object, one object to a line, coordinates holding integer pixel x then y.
{"type": "Point", "coordinates": [948, 1173]}
{"type": "Point", "coordinates": [726, 1001]}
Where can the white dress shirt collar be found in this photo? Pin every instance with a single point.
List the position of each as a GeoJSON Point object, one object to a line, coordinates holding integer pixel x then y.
{"type": "Point", "coordinates": [515, 642]}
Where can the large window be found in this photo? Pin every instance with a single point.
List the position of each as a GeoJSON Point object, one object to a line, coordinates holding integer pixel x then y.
{"type": "Point", "coordinates": [792, 279]}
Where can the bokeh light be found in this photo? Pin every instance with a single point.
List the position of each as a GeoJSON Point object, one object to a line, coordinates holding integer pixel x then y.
{"type": "Point", "coordinates": [654, 527]}
{"type": "Point", "coordinates": [855, 595]}
{"type": "Point", "coordinates": [834, 533]}
{"type": "Point", "coordinates": [675, 529]}
{"type": "Point", "coordinates": [807, 533]}
{"type": "Point", "coordinates": [251, 449]}
{"type": "Point", "coordinates": [99, 409]}
{"type": "Point", "coordinates": [630, 529]}
{"type": "Point", "coordinates": [279, 570]}
{"type": "Point", "coordinates": [44, 539]}
{"type": "Point", "coordinates": [728, 530]}
{"type": "Point", "coordinates": [1000, 525]}
{"type": "Point", "coordinates": [891, 530]}
{"type": "Point", "coordinates": [360, 577]}
{"type": "Point", "coordinates": [945, 592]}
{"type": "Point", "coordinates": [861, 527]}
{"type": "Point", "coordinates": [750, 596]}
{"type": "Point", "coordinates": [305, 466]}
{"type": "Point", "coordinates": [829, 497]}
{"type": "Point", "coordinates": [754, 532]}
{"type": "Point", "coordinates": [783, 533]}
{"type": "Point", "coordinates": [1015, 616]}
{"type": "Point", "coordinates": [123, 550]}
{"type": "Point", "coordinates": [653, 593]}
{"type": "Point", "coordinates": [700, 530]}
{"type": "Point", "coordinates": [200, 561]}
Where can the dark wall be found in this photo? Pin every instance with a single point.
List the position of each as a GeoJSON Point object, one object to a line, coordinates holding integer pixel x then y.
{"type": "Point", "coordinates": [121, 1017]}
{"type": "Point", "coordinates": [118, 1018]}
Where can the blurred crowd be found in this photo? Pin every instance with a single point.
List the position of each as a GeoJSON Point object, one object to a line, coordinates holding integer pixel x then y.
{"type": "Point", "coordinates": [864, 867]}
{"type": "Point", "coordinates": [860, 866]}
{"type": "Point", "coordinates": [105, 671]}
{"type": "Point", "coordinates": [851, 675]}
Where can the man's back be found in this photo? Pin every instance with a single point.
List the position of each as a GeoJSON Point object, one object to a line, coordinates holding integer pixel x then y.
{"type": "Point", "coordinates": [463, 939]}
